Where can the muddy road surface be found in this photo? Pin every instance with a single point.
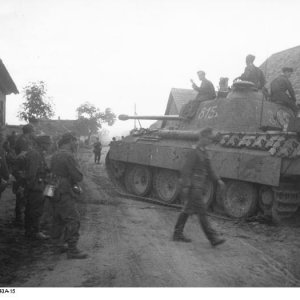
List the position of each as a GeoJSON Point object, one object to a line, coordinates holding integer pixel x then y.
{"type": "Point", "coordinates": [129, 245]}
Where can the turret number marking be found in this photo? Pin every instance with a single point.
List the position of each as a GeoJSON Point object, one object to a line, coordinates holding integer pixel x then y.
{"type": "Point", "coordinates": [208, 112]}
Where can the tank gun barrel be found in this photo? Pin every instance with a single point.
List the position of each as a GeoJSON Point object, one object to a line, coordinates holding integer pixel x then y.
{"type": "Point", "coordinates": [166, 117]}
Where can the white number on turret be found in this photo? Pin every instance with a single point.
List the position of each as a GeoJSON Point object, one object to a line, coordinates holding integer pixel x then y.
{"type": "Point", "coordinates": [208, 112]}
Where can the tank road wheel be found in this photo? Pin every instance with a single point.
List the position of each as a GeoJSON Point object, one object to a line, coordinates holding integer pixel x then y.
{"type": "Point", "coordinates": [117, 168]}
{"type": "Point", "coordinates": [128, 179]}
{"type": "Point", "coordinates": [166, 185]}
{"type": "Point", "coordinates": [240, 199]}
{"type": "Point", "coordinates": [138, 180]}
{"type": "Point", "coordinates": [286, 203]}
{"type": "Point", "coordinates": [266, 200]}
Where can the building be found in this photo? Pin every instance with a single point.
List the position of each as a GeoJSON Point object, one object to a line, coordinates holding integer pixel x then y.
{"type": "Point", "coordinates": [177, 98]}
{"type": "Point", "coordinates": [59, 127]}
{"type": "Point", "coordinates": [7, 86]}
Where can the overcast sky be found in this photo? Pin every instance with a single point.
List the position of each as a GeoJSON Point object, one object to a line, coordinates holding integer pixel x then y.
{"type": "Point", "coordinates": [119, 52]}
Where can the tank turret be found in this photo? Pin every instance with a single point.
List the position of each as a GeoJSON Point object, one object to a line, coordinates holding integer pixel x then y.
{"type": "Point", "coordinates": [256, 155]}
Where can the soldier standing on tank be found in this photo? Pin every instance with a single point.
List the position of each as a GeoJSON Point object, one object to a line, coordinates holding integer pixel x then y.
{"type": "Point", "coordinates": [196, 171]}
{"type": "Point", "coordinates": [66, 219]}
{"type": "Point", "coordinates": [35, 175]}
{"type": "Point", "coordinates": [23, 143]}
{"type": "Point", "coordinates": [97, 151]}
{"type": "Point", "coordinates": [282, 91]}
{"type": "Point", "coordinates": [253, 73]}
{"type": "Point", "coordinates": [206, 91]}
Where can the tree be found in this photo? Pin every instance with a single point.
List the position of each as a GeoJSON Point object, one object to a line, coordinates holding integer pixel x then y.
{"type": "Point", "coordinates": [37, 104]}
{"type": "Point", "coordinates": [91, 118]}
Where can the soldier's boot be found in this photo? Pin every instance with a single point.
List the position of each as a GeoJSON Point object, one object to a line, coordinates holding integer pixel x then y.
{"type": "Point", "coordinates": [41, 236]}
{"type": "Point", "coordinates": [178, 230]}
{"type": "Point", "coordinates": [74, 253]}
{"type": "Point", "coordinates": [59, 248]}
{"type": "Point", "coordinates": [209, 231]}
{"type": "Point", "coordinates": [217, 241]}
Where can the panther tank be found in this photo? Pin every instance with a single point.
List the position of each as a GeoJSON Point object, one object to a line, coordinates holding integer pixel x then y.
{"type": "Point", "coordinates": [257, 155]}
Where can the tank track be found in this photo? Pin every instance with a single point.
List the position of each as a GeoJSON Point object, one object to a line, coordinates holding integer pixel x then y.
{"type": "Point", "coordinates": [120, 189]}
{"type": "Point", "coordinates": [286, 203]}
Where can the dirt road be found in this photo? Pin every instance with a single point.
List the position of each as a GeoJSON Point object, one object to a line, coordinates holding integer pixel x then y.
{"type": "Point", "coordinates": [129, 245]}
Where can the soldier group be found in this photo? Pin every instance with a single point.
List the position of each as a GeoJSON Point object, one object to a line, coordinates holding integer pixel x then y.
{"type": "Point", "coordinates": [26, 156]}
{"type": "Point", "coordinates": [281, 90]}
{"type": "Point", "coordinates": [197, 169]}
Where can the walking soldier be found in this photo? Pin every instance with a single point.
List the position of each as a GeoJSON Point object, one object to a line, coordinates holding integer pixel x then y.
{"type": "Point", "coordinates": [194, 175]}
{"type": "Point", "coordinates": [97, 151]}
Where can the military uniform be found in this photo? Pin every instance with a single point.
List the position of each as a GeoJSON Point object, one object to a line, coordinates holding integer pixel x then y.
{"type": "Point", "coordinates": [23, 143]}
{"type": "Point", "coordinates": [35, 174]}
{"type": "Point", "coordinates": [195, 173]}
{"type": "Point", "coordinates": [4, 173]}
{"type": "Point", "coordinates": [279, 88]}
{"type": "Point", "coordinates": [18, 171]}
{"type": "Point", "coordinates": [97, 151]}
{"type": "Point", "coordinates": [66, 219]}
{"type": "Point", "coordinates": [206, 91]}
{"type": "Point", "coordinates": [254, 75]}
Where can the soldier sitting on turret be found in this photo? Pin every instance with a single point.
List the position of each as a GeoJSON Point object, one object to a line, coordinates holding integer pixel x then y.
{"type": "Point", "coordinates": [279, 88]}
{"type": "Point", "coordinates": [206, 91]}
{"type": "Point", "coordinates": [223, 87]}
{"type": "Point", "coordinates": [253, 73]}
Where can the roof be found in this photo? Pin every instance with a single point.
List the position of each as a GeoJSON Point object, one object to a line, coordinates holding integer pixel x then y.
{"type": "Point", "coordinates": [7, 85]}
{"type": "Point", "coordinates": [58, 127]}
{"type": "Point", "coordinates": [179, 97]}
{"type": "Point", "coordinates": [286, 58]}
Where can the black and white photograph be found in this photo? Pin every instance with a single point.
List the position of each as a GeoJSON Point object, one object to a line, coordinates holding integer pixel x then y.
{"type": "Point", "coordinates": [149, 144]}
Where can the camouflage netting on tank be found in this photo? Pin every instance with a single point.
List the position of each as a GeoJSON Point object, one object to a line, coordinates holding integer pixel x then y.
{"type": "Point", "coordinates": [281, 144]}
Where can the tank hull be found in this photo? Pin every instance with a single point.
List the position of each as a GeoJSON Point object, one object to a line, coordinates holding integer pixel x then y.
{"type": "Point", "coordinates": [254, 154]}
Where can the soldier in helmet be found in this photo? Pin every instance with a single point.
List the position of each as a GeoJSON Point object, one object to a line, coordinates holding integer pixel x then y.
{"type": "Point", "coordinates": [35, 175]}
{"type": "Point", "coordinates": [66, 219]}
{"type": "Point", "coordinates": [23, 143]}
{"type": "Point", "coordinates": [253, 73]}
{"type": "Point", "coordinates": [206, 91]}
{"type": "Point", "coordinates": [282, 91]}
{"type": "Point", "coordinates": [196, 171]}
{"type": "Point", "coordinates": [97, 150]}
{"type": "Point", "coordinates": [25, 140]}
